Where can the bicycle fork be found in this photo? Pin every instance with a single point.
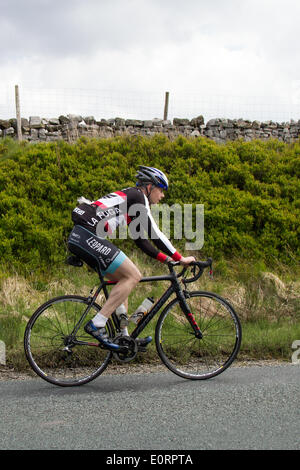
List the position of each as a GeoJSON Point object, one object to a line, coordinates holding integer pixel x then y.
{"type": "Point", "coordinates": [186, 310]}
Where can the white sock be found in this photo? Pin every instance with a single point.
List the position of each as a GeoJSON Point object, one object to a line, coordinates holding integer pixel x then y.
{"type": "Point", "coordinates": [99, 320]}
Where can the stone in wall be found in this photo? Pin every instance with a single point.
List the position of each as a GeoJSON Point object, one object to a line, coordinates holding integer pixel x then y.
{"type": "Point", "coordinates": [71, 127]}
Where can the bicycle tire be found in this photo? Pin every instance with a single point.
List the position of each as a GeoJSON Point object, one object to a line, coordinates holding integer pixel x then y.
{"type": "Point", "coordinates": [45, 338]}
{"type": "Point", "coordinates": [188, 356]}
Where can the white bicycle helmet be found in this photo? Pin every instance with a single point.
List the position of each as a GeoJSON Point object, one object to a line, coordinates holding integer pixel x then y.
{"type": "Point", "coordinates": [147, 174]}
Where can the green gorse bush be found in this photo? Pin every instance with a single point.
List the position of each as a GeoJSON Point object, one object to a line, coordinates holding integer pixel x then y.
{"type": "Point", "coordinates": [250, 192]}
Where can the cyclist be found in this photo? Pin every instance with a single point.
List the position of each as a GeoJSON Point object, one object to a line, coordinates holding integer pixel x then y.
{"type": "Point", "coordinates": [94, 220]}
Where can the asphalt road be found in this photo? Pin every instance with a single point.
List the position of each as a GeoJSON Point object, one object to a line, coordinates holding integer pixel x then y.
{"type": "Point", "coordinates": [243, 408]}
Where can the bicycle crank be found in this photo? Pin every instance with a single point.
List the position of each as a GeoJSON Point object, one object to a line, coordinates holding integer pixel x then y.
{"type": "Point", "coordinates": [129, 348]}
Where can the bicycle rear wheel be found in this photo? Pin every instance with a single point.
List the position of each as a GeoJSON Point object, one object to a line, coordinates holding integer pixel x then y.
{"type": "Point", "coordinates": [186, 355]}
{"type": "Point", "coordinates": [57, 355]}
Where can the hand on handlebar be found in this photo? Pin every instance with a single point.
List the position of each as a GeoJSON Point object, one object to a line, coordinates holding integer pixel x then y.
{"type": "Point", "coordinates": [197, 266]}
{"type": "Point", "coordinates": [186, 261]}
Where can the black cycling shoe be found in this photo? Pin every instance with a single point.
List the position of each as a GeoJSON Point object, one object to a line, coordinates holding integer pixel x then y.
{"type": "Point", "coordinates": [142, 343]}
{"type": "Point", "coordinates": [101, 335]}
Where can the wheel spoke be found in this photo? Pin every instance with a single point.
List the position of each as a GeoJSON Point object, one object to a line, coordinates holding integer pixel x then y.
{"type": "Point", "coordinates": [189, 356]}
{"type": "Point", "coordinates": [47, 335]}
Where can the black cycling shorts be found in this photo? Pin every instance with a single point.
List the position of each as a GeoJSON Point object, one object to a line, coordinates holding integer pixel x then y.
{"type": "Point", "coordinates": [98, 253]}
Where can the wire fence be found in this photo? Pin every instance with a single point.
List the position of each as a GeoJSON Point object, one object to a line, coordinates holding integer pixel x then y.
{"type": "Point", "coordinates": [105, 104]}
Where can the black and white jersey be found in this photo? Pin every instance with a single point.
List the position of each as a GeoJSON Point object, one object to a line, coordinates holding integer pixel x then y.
{"type": "Point", "coordinates": [129, 207]}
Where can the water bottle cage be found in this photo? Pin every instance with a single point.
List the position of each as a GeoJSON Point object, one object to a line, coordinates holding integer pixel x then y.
{"type": "Point", "coordinates": [136, 317]}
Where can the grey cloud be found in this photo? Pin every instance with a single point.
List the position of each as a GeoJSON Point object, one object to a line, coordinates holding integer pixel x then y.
{"type": "Point", "coordinates": [72, 28]}
{"type": "Point", "coordinates": [36, 27]}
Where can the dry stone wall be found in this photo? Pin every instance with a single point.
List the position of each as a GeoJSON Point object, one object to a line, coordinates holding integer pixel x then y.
{"type": "Point", "coordinates": [71, 127]}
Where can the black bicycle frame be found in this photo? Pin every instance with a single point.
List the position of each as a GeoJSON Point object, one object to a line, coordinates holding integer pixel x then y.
{"type": "Point", "coordinates": [174, 288]}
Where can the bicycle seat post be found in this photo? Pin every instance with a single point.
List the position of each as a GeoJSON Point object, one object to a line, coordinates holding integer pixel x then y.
{"type": "Point", "coordinates": [102, 282]}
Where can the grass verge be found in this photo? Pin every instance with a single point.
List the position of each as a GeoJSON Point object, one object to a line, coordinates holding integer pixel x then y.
{"type": "Point", "coordinates": [268, 304]}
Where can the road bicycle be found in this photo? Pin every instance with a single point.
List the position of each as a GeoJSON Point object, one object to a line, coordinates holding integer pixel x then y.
{"type": "Point", "coordinates": [197, 335]}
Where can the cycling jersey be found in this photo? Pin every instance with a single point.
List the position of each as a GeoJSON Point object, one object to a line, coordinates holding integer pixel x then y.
{"type": "Point", "coordinates": [130, 207]}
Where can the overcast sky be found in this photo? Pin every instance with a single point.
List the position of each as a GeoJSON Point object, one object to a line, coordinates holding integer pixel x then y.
{"type": "Point", "coordinates": [221, 58]}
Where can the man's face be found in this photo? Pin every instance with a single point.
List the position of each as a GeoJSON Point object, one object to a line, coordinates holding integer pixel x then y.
{"type": "Point", "coordinates": [156, 195]}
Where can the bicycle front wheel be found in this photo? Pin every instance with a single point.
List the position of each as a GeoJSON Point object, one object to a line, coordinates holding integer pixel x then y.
{"type": "Point", "coordinates": [198, 358]}
{"type": "Point", "coordinates": [58, 349]}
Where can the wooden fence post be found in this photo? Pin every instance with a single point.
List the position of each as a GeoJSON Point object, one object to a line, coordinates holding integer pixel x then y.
{"type": "Point", "coordinates": [18, 114]}
{"type": "Point", "coordinates": [166, 106]}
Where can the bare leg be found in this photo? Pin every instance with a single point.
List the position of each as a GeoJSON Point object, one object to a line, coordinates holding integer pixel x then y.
{"type": "Point", "coordinates": [111, 277]}
{"type": "Point", "coordinates": [127, 277]}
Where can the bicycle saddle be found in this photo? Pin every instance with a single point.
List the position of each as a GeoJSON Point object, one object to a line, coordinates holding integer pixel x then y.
{"type": "Point", "coordinates": [74, 261]}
